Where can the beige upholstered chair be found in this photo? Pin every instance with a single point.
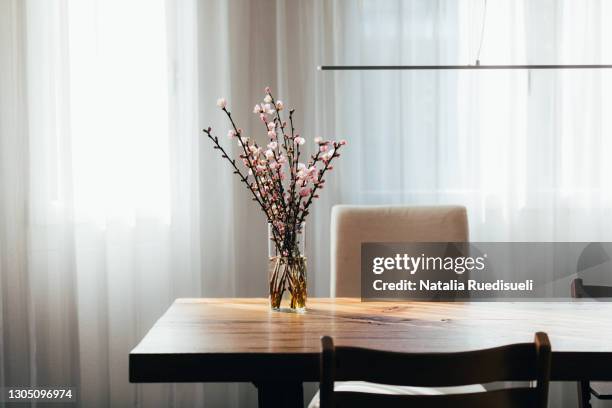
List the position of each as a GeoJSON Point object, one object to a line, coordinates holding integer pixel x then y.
{"type": "Point", "coordinates": [353, 224]}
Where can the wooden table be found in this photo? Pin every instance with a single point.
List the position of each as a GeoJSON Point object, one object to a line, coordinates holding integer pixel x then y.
{"type": "Point", "coordinates": [241, 340]}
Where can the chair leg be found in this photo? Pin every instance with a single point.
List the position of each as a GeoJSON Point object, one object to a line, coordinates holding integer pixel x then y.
{"type": "Point", "coordinates": [280, 394]}
{"type": "Point", "coordinates": [584, 394]}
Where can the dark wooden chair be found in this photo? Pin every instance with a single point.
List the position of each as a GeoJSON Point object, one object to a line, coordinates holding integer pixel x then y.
{"type": "Point", "coordinates": [524, 361]}
{"type": "Point", "coordinates": [600, 390]}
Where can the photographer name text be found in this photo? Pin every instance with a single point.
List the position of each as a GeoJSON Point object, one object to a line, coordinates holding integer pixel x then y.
{"type": "Point", "coordinates": [452, 285]}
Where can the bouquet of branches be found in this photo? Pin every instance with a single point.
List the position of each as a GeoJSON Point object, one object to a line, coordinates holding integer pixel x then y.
{"type": "Point", "coordinates": [282, 183]}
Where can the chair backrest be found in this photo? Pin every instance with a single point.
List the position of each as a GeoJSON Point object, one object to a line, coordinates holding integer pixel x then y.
{"type": "Point", "coordinates": [351, 225]}
{"type": "Point", "coordinates": [580, 290]}
{"type": "Point", "coordinates": [515, 362]}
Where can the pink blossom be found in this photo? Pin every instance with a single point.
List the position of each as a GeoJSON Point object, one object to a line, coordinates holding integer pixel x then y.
{"type": "Point", "coordinates": [329, 154]}
{"type": "Point", "coordinates": [282, 159]}
{"type": "Point", "coordinates": [231, 133]}
{"type": "Point", "coordinates": [323, 148]}
{"type": "Point", "coordinates": [255, 151]}
{"type": "Point", "coordinates": [271, 133]}
{"type": "Point", "coordinates": [279, 105]}
{"type": "Point", "coordinates": [271, 125]}
{"type": "Point", "coordinates": [267, 90]}
{"type": "Point", "coordinates": [272, 145]}
{"type": "Point", "coordinates": [343, 142]}
{"type": "Point", "coordinates": [222, 103]}
{"type": "Point", "coordinates": [306, 174]}
{"type": "Point", "coordinates": [257, 109]}
{"type": "Point", "coordinates": [302, 173]}
{"type": "Point", "coordinates": [300, 140]}
{"type": "Point", "coordinates": [267, 99]}
{"type": "Point", "coordinates": [269, 154]}
{"type": "Point", "coordinates": [318, 139]}
{"type": "Point", "coordinates": [305, 191]}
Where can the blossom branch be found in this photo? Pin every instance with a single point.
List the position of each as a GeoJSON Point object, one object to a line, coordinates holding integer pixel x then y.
{"type": "Point", "coordinates": [282, 203]}
{"type": "Point", "coordinates": [237, 171]}
{"type": "Point", "coordinates": [319, 182]}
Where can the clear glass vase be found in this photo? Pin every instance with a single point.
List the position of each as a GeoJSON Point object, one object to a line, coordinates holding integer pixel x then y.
{"type": "Point", "coordinates": [287, 270]}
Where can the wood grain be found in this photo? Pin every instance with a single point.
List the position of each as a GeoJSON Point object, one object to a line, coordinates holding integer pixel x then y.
{"type": "Point", "coordinates": [200, 340]}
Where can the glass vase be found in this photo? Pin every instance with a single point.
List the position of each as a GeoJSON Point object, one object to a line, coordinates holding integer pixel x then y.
{"type": "Point", "coordinates": [287, 269]}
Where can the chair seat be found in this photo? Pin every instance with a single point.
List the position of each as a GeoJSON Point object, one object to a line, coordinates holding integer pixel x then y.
{"type": "Point", "coordinates": [602, 390]}
{"type": "Point", "coordinates": [374, 388]}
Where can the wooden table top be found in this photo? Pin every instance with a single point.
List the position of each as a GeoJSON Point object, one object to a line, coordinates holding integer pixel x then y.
{"type": "Point", "coordinates": [199, 340]}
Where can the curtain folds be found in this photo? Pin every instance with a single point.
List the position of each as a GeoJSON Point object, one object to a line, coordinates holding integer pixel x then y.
{"type": "Point", "coordinates": [112, 204]}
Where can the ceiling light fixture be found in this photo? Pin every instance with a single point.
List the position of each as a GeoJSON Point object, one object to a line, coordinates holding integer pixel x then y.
{"type": "Point", "coordinates": [458, 67]}
{"type": "Point", "coordinates": [476, 66]}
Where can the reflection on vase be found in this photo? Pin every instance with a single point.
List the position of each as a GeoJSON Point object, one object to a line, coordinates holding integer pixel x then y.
{"type": "Point", "coordinates": [288, 280]}
{"type": "Point", "coordinates": [287, 271]}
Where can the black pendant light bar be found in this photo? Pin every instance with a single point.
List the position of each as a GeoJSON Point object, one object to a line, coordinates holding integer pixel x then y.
{"type": "Point", "coordinates": [476, 66]}
{"type": "Point", "coordinates": [457, 67]}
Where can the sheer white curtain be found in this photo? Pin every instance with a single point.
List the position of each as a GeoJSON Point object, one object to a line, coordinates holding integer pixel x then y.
{"type": "Point", "coordinates": [525, 151]}
{"type": "Point", "coordinates": [112, 204]}
{"type": "Point", "coordinates": [111, 208]}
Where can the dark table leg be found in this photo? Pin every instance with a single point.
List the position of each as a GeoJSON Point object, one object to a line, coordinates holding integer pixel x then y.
{"type": "Point", "coordinates": [279, 394]}
{"type": "Point", "coordinates": [584, 394]}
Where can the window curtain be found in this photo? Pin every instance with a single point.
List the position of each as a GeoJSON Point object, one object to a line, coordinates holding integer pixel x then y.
{"type": "Point", "coordinates": [112, 204]}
